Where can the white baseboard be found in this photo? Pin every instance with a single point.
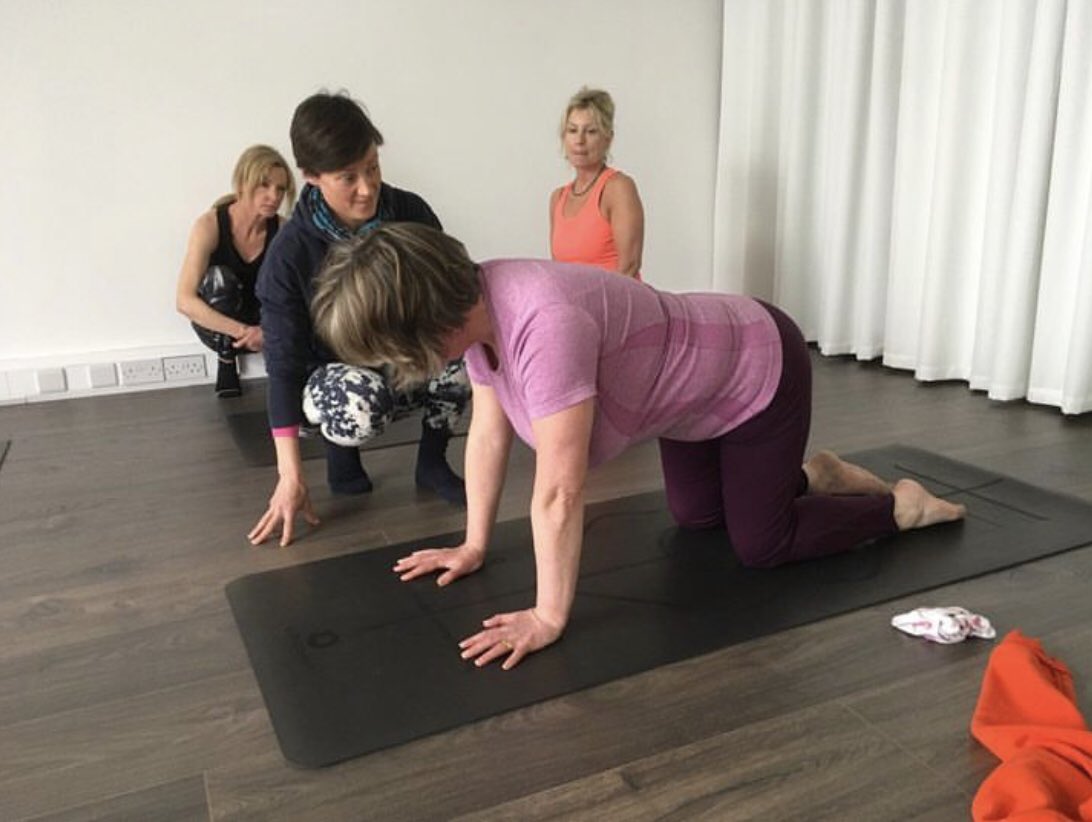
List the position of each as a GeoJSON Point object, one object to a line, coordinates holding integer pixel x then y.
{"type": "Point", "coordinates": [62, 377]}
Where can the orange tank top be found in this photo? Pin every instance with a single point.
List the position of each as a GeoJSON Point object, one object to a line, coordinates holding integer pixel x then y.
{"type": "Point", "coordinates": [585, 237]}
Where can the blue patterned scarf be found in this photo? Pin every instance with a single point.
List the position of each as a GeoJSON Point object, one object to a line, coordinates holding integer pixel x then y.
{"type": "Point", "coordinates": [327, 222]}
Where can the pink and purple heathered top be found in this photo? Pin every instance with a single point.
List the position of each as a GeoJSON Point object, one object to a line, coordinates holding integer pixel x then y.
{"type": "Point", "coordinates": [681, 366]}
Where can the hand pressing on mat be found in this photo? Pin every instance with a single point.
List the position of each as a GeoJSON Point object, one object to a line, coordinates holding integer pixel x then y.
{"type": "Point", "coordinates": [513, 635]}
{"type": "Point", "coordinates": [289, 498]}
{"type": "Point", "coordinates": [454, 562]}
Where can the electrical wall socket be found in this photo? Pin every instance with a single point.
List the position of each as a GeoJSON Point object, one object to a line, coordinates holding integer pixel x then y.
{"type": "Point", "coordinates": [51, 381]}
{"type": "Point", "coordinates": [102, 375]}
{"type": "Point", "coordinates": [189, 367]}
{"type": "Point", "coordinates": [136, 372]}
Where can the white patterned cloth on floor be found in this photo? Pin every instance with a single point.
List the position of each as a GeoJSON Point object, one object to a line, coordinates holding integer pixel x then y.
{"type": "Point", "coordinates": [944, 625]}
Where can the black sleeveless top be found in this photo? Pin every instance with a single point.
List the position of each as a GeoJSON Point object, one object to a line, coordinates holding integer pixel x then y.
{"type": "Point", "coordinates": [226, 254]}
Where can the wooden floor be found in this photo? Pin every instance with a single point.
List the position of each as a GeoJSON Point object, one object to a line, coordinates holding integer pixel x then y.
{"type": "Point", "coordinates": [125, 692]}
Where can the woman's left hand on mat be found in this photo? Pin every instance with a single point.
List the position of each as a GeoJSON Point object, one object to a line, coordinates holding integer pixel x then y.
{"type": "Point", "coordinates": [454, 562]}
{"type": "Point", "coordinates": [513, 636]}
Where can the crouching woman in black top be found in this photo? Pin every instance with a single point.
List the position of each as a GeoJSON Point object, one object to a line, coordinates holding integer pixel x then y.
{"type": "Point", "coordinates": [336, 147]}
{"type": "Point", "coordinates": [226, 248]}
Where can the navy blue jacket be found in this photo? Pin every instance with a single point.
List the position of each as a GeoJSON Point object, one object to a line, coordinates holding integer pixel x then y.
{"type": "Point", "coordinates": [291, 349]}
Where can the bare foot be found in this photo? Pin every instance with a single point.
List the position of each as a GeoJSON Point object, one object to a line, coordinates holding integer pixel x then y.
{"type": "Point", "coordinates": [917, 508]}
{"type": "Point", "coordinates": [830, 474]}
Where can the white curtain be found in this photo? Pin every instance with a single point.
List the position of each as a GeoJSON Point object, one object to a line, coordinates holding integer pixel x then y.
{"type": "Point", "coordinates": [913, 179]}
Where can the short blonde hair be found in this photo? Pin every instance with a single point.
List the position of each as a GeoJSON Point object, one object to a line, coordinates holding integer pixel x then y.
{"type": "Point", "coordinates": [253, 168]}
{"type": "Point", "coordinates": [392, 296]}
{"type": "Point", "coordinates": [595, 100]}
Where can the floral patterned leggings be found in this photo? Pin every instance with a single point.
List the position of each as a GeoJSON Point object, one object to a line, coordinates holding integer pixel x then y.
{"type": "Point", "coordinates": [351, 405]}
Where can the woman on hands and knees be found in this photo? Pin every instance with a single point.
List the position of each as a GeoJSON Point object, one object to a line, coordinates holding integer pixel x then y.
{"type": "Point", "coordinates": [226, 248]}
{"type": "Point", "coordinates": [722, 381]}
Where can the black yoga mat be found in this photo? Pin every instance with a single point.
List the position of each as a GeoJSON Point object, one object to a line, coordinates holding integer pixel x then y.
{"type": "Point", "coordinates": [250, 431]}
{"type": "Point", "coordinates": [350, 660]}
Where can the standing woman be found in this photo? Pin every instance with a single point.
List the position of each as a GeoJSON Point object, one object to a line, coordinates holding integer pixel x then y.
{"type": "Point", "coordinates": [226, 247]}
{"type": "Point", "coordinates": [597, 219]}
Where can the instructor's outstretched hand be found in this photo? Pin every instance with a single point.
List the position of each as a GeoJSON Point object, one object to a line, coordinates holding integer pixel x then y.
{"type": "Point", "coordinates": [289, 498]}
{"type": "Point", "coordinates": [513, 636]}
{"type": "Point", "coordinates": [452, 562]}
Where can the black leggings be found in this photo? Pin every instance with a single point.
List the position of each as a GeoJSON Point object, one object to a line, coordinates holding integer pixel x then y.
{"type": "Point", "coordinates": [223, 291]}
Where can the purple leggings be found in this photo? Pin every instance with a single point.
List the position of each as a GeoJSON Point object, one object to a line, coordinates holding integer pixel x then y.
{"type": "Point", "coordinates": [751, 481]}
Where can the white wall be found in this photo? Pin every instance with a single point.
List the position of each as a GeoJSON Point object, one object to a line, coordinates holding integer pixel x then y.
{"type": "Point", "coordinates": [120, 121]}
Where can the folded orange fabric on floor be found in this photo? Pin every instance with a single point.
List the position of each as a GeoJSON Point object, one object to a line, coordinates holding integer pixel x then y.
{"type": "Point", "coordinates": [1027, 715]}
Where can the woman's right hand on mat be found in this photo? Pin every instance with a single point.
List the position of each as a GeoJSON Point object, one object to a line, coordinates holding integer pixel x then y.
{"type": "Point", "coordinates": [512, 636]}
{"type": "Point", "coordinates": [454, 562]}
{"type": "Point", "coordinates": [290, 497]}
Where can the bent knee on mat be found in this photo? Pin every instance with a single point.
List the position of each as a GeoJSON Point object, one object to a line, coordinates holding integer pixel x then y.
{"type": "Point", "coordinates": [693, 518]}
{"type": "Point", "coordinates": [761, 551]}
{"type": "Point", "coordinates": [771, 560]}
{"type": "Point", "coordinates": [752, 551]}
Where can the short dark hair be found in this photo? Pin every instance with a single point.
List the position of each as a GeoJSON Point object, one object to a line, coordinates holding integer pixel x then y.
{"type": "Point", "coordinates": [330, 132]}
